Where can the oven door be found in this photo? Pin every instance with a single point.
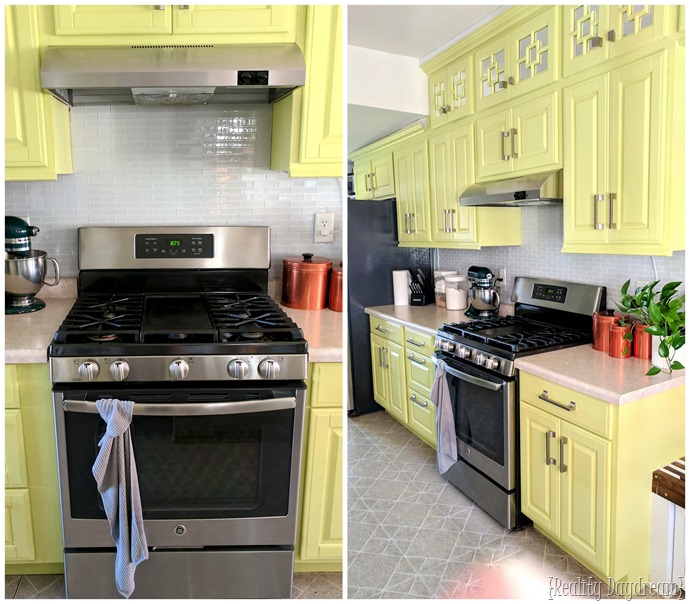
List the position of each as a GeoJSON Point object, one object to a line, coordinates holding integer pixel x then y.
{"type": "Point", "coordinates": [484, 410]}
{"type": "Point", "coordinates": [216, 467]}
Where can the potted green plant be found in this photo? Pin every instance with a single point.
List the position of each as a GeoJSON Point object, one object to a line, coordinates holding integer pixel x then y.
{"type": "Point", "coordinates": [661, 312]}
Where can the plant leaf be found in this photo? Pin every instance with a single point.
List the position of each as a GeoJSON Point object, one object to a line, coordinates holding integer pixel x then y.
{"type": "Point", "coordinates": [655, 330]}
{"type": "Point", "coordinates": [677, 365]}
{"type": "Point", "coordinates": [628, 336]}
{"type": "Point", "coordinates": [653, 371]}
{"type": "Point", "coordinates": [624, 289]}
{"type": "Point", "coordinates": [663, 349]}
{"type": "Point", "coordinates": [655, 312]}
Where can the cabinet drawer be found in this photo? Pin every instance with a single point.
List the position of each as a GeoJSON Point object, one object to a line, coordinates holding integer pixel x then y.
{"type": "Point", "coordinates": [419, 371]}
{"type": "Point", "coordinates": [19, 534]}
{"type": "Point", "coordinates": [386, 329]}
{"type": "Point", "coordinates": [326, 385]}
{"type": "Point", "coordinates": [585, 411]}
{"type": "Point", "coordinates": [11, 387]}
{"type": "Point", "coordinates": [15, 460]}
{"type": "Point", "coordinates": [419, 342]}
{"type": "Point", "coordinates": [421, 416]}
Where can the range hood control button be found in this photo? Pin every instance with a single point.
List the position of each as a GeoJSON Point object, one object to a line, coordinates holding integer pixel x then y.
{"type": "Point", "coordinates": [238, 369]}
{"type": "Point", "coordinates": [119, 370]}
{"type": "Point", "coordinates": [269, 369]}
{"type": "Point", "coordinates": [88, 371]}
{"type": "Point", "coordinates": [179, 369]}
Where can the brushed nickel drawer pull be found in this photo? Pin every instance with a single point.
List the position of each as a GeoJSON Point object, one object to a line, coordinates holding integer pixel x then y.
{"type": "Point", "coordinates": [451, 213]}
{"type": "Point", "coordinates": [445, 219]}
{"type": "Point", "coordinates": [504, 135]}
{"type": "Point", "coordinates": [513, 132]}
{"type": "Point", "coordinates": [545, 397]}
{"type": "Point", "coordinates": [414, 343]}
{"type": "Point", "coordinates": [418, 361]}
{"type": "Point", "coordinates": [421, 404]}
{"type": "Point", "coordinates": [562, 443]}
{"type": "Point", "coordinates": [385, 354]}
{"type": "Point", "coordinates": [381, 329]}
{"type": "Point", "coordinates": [550, 461]}
{"type": "Point", "coordinates": [612, 197]}
{"type": "Point", "coordinates": [598, 226]}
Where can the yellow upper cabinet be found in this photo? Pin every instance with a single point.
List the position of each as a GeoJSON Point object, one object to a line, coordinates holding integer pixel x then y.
{"type": "Point", "coordinates": [519, 61]}
{"type": "Point", "coordinates": [594, 33]}
{"type": "Point", "coordinates": [37, 136]}
{"type": "Point", "coordinates": [450, 95]}
{"type": "Point", "coordinates": [623, 160]}
{"type": "Point", "coordinates": [411, 167]}
{"type": "Point", "coordinates": [109, 19]}
{"type": "Point", "coordinates": [308, 124]}
{"type": "Point", "coordinates": [374, 177]}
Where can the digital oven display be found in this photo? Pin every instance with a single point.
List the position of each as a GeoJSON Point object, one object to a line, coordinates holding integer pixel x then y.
{"type": "Point", "coordinates": [173, 246]}
{"type": "Point", "coordinates": [549, 293]}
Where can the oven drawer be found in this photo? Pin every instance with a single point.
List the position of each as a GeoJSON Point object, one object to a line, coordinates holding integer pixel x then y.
{"type": "Point", "coordinates": [421, 416]}
{"type": "Point", "coordinates": [580, 409]}
{"type": "Point", "coordinates": [420, 371]}
{"type": "Point", "coordinates": [419, 342]}
{"type": "Point", "coordinates": [386, 329]}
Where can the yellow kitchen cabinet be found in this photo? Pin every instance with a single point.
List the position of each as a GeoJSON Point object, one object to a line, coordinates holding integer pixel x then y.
{"type": "Point", "coordinates": [320, 542]}
{"type": "Point", "coordinates": [585, 471]}
{"type": "Point", "coordinates": [388, 371]}
{"type": "Point", "coordinates": [411, 169]}
{"type": "Point", "coordinates": [419, 374]}
{"type": "Point", "coordinates": [109, 19]}
{"type": "Point", "coordinates": [37, 133]}
{"type": "Point", "coordinates": [593, 33]}
{"type": "Point", "coordinates": [33, 527]}
{"type": "Point", "coordinates": [623, 160]}
{"type": "Point", "coordinates": [450, 95]}
{"type": "Point", "coordinates": [519, 61]}
{"type": "Point", "coordinates": [521, 140]}
{"type": "Point", "coordinates": [308, 124]}
{"type": "Point", "coordinates": [374, 177]}
{"type": "Point", "coordinates": [451, 172]}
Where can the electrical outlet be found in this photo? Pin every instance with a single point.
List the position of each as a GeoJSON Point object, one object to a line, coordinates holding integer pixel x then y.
{"type": "Point", "coordinates": [323, 227]}
{"type": "Point", "coordinates": [502, 275]}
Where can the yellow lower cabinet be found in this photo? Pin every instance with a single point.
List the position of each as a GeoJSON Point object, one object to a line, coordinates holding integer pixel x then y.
{"type": "Point", "coordinates": [320, 531]}
{"type": "Point", "coordinates": [388, 371]}
{"type": "Point", "coordinates": [421, 417]}
{"type": "Point", "coordinates": [33, 525]}
{"type": "Point", "coordinates": [586, 468]}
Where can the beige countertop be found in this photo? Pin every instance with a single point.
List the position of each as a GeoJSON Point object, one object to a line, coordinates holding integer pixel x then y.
{"type": "Point", "coordinates": [27, 336]}
{"type": "Point", "coordinates": [617, 381]}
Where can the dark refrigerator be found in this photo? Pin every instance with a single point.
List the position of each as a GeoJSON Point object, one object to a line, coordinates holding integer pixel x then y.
{"type": "Point", "coordinates": [372, 255]}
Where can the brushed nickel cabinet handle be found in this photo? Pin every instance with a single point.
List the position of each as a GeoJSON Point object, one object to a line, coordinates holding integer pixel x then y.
{"type": "Point", "coordinates": [415, 343]}
{"type": "Point", "coordinates": [612, 197]}
{"type": "Point", "coordinates": [183, 6]}
{"type": "Point", "coordinates": [413, 231]}
{"type": "Point", "coordinates": [384, 352]}
{"type": "Point", "coordinates": [611, 35]}
{"type": "Point", "coordinates": [504, 135]}
{"type": "Point", "coordinates": [412, 358]}
{"type": "Point", "coordinates": [513, 133]}
{"type": "Point", "coordinates": [382, 329]}
{"type": "Point", "coordinates": [159, 6]}
{"type": "Point", "coordinates": [597, 42]}
{"type": "Point", "coordinates": [502, 85]}
{"type": "Point", "coordinates": [562, 443]}
{"type": "Point", "coordinates": [598, 226]}
{"type": "Point", "coordinates": [451, 213]}
{"type": "Point", "coordinates": [545, 397]}
{"type": "Point", "coordinates": [511, 81]}
{"type": "Point", "coordinates": [421, 404]}
{"type": "Point", "coordinates": [374, 186]}
{"type": "Point", "coordinates": [445, 221]}
{"type": "Point", "coordinates": [550, 461]}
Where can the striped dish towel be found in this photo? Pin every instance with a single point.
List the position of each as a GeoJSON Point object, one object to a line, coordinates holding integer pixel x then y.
{"type": "Point", "coordinates": [116, 475]}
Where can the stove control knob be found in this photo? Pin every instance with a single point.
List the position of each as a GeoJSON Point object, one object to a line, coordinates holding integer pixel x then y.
{"type": "Point", "coordinates": [269, 369]}
{"type": "Point", "coordinates": [463, 352]}
{"type": "Point", "coordinates": [491, 363]}
{"type": "Point", "coordinates": [480, 358]}
{"type": "Point", "coordinates": [119, 370]}
{"type": "Point", "coordinates": [179, 369]}
{"type": "Point", "coordinates": [238, 369]}
{"type": "Point", "coordinates": [88, 371]}
{"type": "Point", "coordinates": [447, 346]}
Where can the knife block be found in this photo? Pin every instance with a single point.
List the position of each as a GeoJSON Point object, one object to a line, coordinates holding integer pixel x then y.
{"type": "Point", "coordinates": [417, 299]}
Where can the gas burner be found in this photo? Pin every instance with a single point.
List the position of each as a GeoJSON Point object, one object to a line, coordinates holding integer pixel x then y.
{"type": "Point", "coordinates": [252, 335]}
{"type": "Point", "coordinates": [178, 336]}
{"type": "Point", "coordinates": [106, 337]}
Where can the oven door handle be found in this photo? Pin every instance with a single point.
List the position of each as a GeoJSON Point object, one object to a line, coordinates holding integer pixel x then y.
{"type": "Point", "coordinates": [473, 379]}
{"type": "Point", "coordinates": [196, 409]}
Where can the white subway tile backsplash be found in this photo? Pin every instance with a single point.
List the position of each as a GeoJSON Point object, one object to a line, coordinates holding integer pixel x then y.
{"type": "Point", "coordinates": [175, 165]}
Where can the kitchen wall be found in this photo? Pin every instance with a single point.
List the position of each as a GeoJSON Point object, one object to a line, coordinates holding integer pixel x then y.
{"type": "Point", "coordinates": [197, 165]}
{"type": "Point", "coordinates": [540, 256]}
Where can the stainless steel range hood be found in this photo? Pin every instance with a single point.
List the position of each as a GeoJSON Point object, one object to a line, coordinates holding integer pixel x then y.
{"type": "Point", "coordinates": [545, 188]}
{"type": "Point", "coordinates": [172, 75]}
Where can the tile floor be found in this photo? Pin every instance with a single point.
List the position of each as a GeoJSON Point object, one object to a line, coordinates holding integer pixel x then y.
{"type": "Point", "coordinates": [305, 586]}
{"type": "Point", "coordinates": [413, 535]}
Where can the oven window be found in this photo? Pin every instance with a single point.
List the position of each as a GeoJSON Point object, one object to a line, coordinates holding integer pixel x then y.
{"type": "Point", "coordinates": [222, 466]}
{"type": "Point", "coordinates": [479, 417]}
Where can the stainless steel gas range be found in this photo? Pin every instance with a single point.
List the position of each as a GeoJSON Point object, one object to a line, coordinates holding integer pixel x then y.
{"type": "Point", "coordinates": [483, 383]}
{"type": "Point", "coordinates": [178, 320]}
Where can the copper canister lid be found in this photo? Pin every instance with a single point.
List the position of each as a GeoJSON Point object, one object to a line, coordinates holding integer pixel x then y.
{"type": "Point", "coordinates": [308, 262]}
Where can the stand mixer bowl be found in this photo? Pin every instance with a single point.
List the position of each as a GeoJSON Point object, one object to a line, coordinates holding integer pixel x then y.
{"type": "Point", "coordinates": [484, 301]}
{"type": "Point", "coordinates": [24, 277]}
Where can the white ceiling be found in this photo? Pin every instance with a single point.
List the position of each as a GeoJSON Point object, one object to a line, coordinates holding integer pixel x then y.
{"type": "Point", "coordinates": [420, 32]}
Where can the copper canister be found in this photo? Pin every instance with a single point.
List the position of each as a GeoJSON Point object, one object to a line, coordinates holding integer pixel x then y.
{"type": "Point", "coordinates": [642, 342]}
{"type": "Point", "coordinates": [600, 329]}
{"type": "Point", "coordinates": [305, 282]}
{"type": "Point", "coordinates": [335, 297]}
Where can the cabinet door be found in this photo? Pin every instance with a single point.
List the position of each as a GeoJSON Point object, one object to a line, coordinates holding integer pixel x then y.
{"type": "Point", "coordinates": [585, 42]}
{"type": "Point", "coordinates": [585, 474]}
{"type": "Point", "coordinates": [440, 181]}
{"type": "Point", "coordinates": [103, 19]}
{"type": "Point", "coordinates": [421, 417]}
{"type": "Point", "coordinates": [534, 53]}
{"type": "Point", "coordinates": [439, 104]}
{"type": "Point", "coordinates": [537, 141]}
{"type": "Point", "coordinates": [585, 163]}
{"type": "Point", "coordinates": [411, 167]}
{"type": "Point", "coordinates": [228, 19]}
{"type": "Point", "coordinates": [19, 535]}
{"type": "Point", "coordinates": [15, 460]}
{"type": "Point", "coordinates": [636, 172]}
{"type": "Point", "coordinates": [492, 71]}
{"type": "Point", "coordinates": [362, 172]}
{"type": "Point", "coordinates": [322, 519]}
{"type": "Point", "coordinates": [396, 371]}
{"type": "Point", "coordinates": [458, 78]}
{"type": "Point", "coordinates": [379, 371]}
{"type": "Point", "coordinates": [493, 145]}
{"type": "Point", "coordinates": [463, 221]}
{"type": "Point", "coordinates": [634, 26]}
{"type": "Point", "coordinates": [382, 181]}
{"type": "Point", "coordinates": [540, 498]}
{"type": "Point", "coordinates": [419, 371]}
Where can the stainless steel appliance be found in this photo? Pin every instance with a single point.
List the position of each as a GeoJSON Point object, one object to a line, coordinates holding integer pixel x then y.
{"type": "Point", "coordinates": [25, 268]}
{"type": "Point", "coordinates": [178, 320]}
{"type": "Point", "coordinates": [483, 382]}
{"type": "Point", "coordinates": [483, 295]}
